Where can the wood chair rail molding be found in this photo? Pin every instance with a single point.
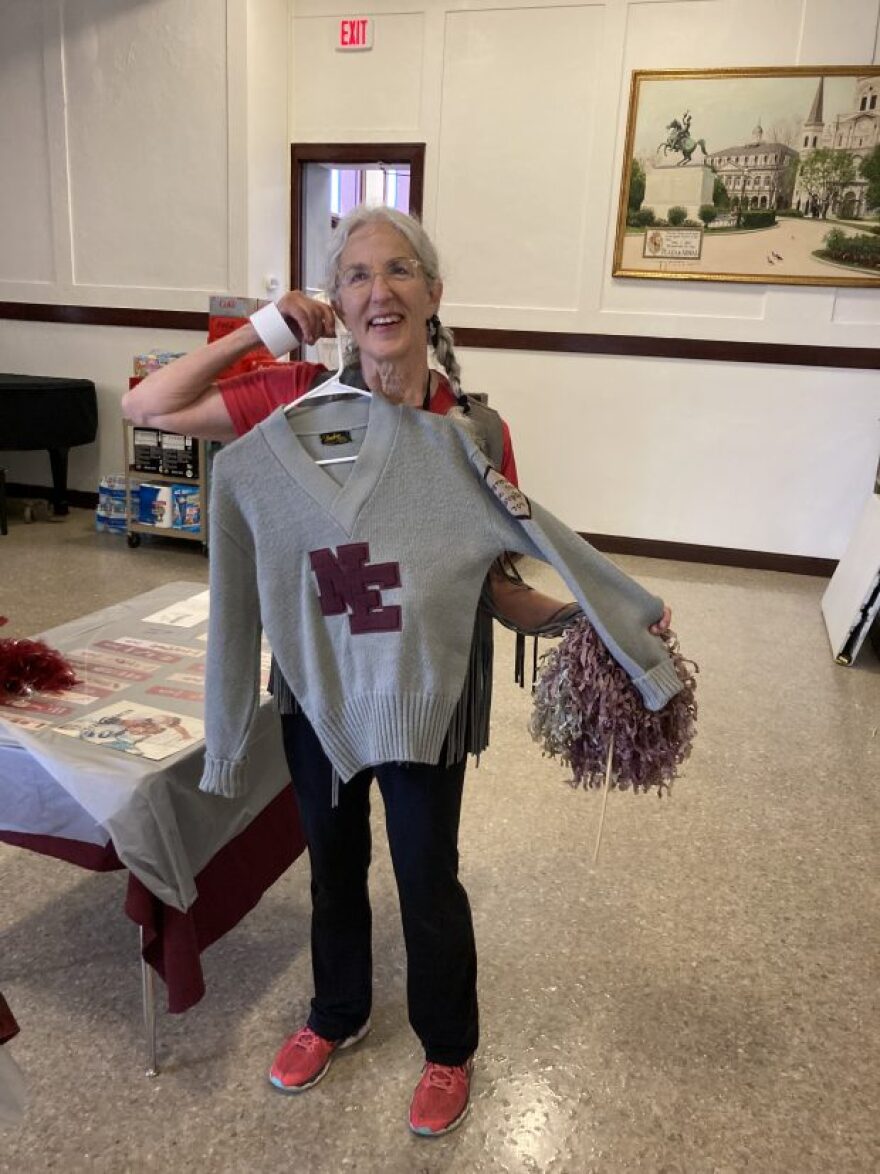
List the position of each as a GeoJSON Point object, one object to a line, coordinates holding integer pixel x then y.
{"type": "Point", "coordinates": [547, 341]}
{"type": "Point", "coordinates": [723, 556]}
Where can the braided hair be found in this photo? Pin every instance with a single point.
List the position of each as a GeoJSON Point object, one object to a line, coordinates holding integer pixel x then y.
{"type": "Point", "coordinates": [442, 343]}
{"type": "Point", "coordinates": [438, 336]}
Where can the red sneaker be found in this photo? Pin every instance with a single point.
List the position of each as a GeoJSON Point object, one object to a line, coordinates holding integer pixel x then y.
{"type": "Point", "coordinates": [442, 1099]}
{"type": "Point", "coordinates": [304, 1058]}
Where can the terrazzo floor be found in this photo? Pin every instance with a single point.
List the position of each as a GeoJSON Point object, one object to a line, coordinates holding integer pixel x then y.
{"type": "Point", "coordinates": [701, 1001]}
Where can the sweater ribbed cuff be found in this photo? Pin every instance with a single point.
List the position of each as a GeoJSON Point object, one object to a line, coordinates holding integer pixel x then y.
{"type": "Point", "coordinates": [659, 685]}
{"type": "Point", "coordinates": [224, 777]}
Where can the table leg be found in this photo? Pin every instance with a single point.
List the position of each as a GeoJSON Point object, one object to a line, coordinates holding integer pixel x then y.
{"type": "Point", "coordinates": [58, 463]}
{"type": "Point", "coordinates": [148, 988]}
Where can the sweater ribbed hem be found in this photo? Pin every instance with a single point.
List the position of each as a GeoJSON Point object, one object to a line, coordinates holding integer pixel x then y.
{"type": "Point", "coordinates": [384, 727]}
{"type": "Point", "coordinates": [223, 777]}
{"type": "Point", "coordinates": [659, 685]}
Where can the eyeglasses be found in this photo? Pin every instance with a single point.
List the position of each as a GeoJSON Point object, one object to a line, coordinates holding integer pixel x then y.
{"type": "Point", "coordinates": [396, 271]}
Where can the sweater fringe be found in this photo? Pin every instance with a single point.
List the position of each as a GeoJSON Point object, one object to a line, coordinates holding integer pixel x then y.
{"type": "Point", "coordinates": [285, 702]}
{"type": "Point", "coordinates": [469, 728]}
{"type": "Point", "coordinates": [468, 731]}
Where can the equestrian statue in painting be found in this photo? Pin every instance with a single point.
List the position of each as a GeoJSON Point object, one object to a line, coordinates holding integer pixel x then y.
{"type": "Point", "coordinates": [679, 140]}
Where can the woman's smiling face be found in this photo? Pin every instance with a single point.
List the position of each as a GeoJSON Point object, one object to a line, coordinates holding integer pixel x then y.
{"type": "Point", "coordinates": [383, 297]}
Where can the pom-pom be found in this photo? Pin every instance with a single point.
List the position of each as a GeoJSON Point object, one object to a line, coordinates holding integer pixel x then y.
{"type": "Point", "coordinates": [583, 699]}
{"type": "Point", "coordinates": [29, 665]}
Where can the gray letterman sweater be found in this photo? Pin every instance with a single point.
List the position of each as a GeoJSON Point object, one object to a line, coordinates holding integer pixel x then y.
{"type": "Point", "coordinates": [366, 578]}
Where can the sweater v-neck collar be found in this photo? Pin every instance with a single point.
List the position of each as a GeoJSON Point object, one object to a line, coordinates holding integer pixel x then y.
{"type": "Point", "coordinates": [342, 502]}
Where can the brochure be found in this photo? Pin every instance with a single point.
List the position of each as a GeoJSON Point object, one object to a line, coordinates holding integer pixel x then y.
{"type": "Point", "coordinates": [136, 729]}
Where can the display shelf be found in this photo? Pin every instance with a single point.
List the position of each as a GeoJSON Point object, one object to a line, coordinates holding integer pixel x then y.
{"type": "Point", "coordinates": [134, 528]}
{"type": "Point", "coordinates": [143, 475]}
{"type": "Point", "coordinates": [160, 532]}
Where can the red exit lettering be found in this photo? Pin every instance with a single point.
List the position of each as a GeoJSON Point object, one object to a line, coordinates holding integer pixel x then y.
{"type": "Point", "coordinates": [354, 33]}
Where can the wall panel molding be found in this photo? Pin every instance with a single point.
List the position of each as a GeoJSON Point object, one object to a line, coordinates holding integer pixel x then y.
{"type": "Point", "coordinates": [688, 552]}
{"type": "Point", "coordinates": [647, 346]}
{"type": "Point", "coordinates": [720, 556]}
{"type": "Point", "coordinates": [546, 341]}
{"type": "Point", "coordinates": [137, 173]}
{"type": "Point", "coordinates": [105, 316]}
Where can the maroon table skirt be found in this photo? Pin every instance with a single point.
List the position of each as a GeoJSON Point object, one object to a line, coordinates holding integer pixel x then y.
{"type": "Point", "coordinates": [8, 1026]}
{"type": "Point", "coordinates": [228, 887]}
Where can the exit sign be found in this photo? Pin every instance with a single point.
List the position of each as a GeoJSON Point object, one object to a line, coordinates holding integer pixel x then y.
{"type": "Point", "coordinates": [355, 32]}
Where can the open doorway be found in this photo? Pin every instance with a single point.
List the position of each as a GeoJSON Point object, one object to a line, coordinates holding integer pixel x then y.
{"type": "Point", "coordinates": [328, 179]}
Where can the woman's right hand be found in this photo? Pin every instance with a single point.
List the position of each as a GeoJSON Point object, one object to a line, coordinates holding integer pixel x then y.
{"type": "Point", "coordinates": [308, 318]}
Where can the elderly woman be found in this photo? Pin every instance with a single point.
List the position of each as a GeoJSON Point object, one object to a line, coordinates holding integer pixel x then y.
{"type": "Point", "coordinates": [384, 282]}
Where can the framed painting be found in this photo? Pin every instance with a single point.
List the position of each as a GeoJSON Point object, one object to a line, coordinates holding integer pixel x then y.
{"type": "Point", "coordinates": [759, 175]}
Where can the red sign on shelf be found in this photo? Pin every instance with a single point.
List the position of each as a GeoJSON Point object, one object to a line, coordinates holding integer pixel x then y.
{"type": "Point", "coordinates": [355, 32]}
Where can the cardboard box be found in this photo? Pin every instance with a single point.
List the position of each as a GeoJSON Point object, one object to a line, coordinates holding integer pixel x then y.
{"type": "Point", "coordinates": [152, 361]}
{"type": "Point", "coordinates": [180, 455]}
{"type": "Point", "coordinates": [186, 508]}
{"type": "Point", "coordinates": [155, 506]}
{"type": "Point", "coordinates": [147, 450]}
{"type": "Point", "coordinates": [226, 314]}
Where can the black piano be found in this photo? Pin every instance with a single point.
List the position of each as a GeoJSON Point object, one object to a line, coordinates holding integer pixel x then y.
{"type": "Point", "coordinates": [55, 414]}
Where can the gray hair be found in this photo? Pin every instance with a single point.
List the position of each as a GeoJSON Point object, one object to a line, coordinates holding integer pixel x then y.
{"type": "Point", "coordinates": [439, 336]}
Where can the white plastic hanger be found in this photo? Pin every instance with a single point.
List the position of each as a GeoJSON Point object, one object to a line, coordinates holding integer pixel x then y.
{"type": "Point", "coordinates": [332, 388]}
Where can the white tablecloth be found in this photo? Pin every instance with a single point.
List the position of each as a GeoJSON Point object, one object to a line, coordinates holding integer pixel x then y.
{"type": "Point", "coordinates": [163, 828]}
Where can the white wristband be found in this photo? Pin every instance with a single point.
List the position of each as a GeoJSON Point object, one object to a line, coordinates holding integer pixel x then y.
{"type": "Point", "coordinates": [274, 332]}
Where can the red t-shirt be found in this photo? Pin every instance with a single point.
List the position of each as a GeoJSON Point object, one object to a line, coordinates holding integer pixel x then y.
{"type": "Point", "coordinates": [251, 398]}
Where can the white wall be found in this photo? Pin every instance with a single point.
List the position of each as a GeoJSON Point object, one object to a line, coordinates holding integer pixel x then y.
{"type": "Point", "coordinates": [100, 353]}
{"type": "Point", "coordinates": [118, 167]}
{"type": "Point", "coordinates": [523, 109]}
{"type": "Point", "coordinates": [144, 150]}
{"type": "Point", "coordinates": [144, 163]}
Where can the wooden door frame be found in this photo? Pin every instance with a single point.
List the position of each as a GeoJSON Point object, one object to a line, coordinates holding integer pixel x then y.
{"type": "Point", "coordinates": [301, 154]}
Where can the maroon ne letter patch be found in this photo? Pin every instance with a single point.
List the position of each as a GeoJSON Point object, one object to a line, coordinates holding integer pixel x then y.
{"type": "Point", "coordinates": [347, 580]}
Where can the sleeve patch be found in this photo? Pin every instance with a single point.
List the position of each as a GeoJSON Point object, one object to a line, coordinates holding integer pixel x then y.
{"type": "Point", "coordinates": [514, 500]}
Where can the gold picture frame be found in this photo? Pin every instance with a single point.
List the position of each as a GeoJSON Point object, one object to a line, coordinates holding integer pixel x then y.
{"type": "Point", "coordinates": [723, 199]}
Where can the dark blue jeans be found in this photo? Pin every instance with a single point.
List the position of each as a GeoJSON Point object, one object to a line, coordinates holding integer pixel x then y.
{"type": "Point", "coordinates": [422, 810]}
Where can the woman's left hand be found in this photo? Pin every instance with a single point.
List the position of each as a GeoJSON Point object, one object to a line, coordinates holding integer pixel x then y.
{"type": "Point", "coordinates": [663, 623]}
